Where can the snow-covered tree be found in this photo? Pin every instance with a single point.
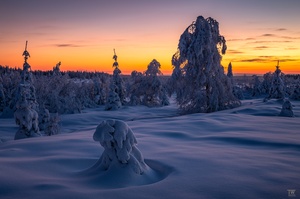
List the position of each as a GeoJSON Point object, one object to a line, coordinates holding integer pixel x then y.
{"type": "Point", "coordinates": [53, 125]}
{"type": "Point", "coordinates": [236, 90]}
{"type": "Point", "coordinates": [120, 149]}
{"type": "Point", "coordinates": [287, 109]}
{"type": "Point", "coordinates": [148, 89]}
{"type": "Point", "coordinates": [267, 83]}
{"type": "Point", "coordinates": [277, 90]}
{"type": "Point", "coordinates": [154, 92]}
{"type": "Point", "coordinates": [44, 118]}
{"type": "Point", "coordinates": [113, 100]}
{"type": "Point", "coordinates": [27, 119]}
{"type": "Point", "coordinates": [135, 88]}
{"type": "Point", "coordinates": [56, 69]}
{"type": "Point", "coordinates": [229, 71]}
{"type": "Point", "coordinates": [117, 80]}
{"type": "Point", "coordinates": [2, 97]}
{"type": "Point", "coordinates": [26, 115]}
{"type": "Point", "coordinates": [205, 87]}
{"type": "Point", "coordinates": [99, 91]}
{"type": "Point", "coordinates": [257, 91]}
{"type": "Point", "coordinates": [295, 95]}
{"type": "Point", "coordinates": [153, 69]}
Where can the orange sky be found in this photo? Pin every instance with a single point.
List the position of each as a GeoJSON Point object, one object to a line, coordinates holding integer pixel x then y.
{"type": "Point", "coordinates": [82, 35]}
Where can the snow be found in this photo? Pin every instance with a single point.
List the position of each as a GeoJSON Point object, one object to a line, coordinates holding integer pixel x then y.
{"type": "Point", "coordinates": [246, 152]}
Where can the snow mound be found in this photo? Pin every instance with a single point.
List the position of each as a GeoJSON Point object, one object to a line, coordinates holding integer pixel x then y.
{"type": "Point", "coordinates": [121, 163]}
{"type": "Point", "coordinates": [287, 109]}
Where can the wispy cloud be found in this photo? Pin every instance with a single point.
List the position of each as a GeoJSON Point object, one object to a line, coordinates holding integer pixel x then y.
{"type": "Point", "coordinates": [281, 29]}
{"type": "Point", "coordinates": [234, 51]}
{"type": "Point", "coordinates": [268, 59]}
{"type": "Point", "coordinates": [268, 35]}
{"type": "Point", "coordinates": [68, 45]}
{"type": "Point", "coordinates": [261, 47]}
{"type": "Point", "coordinates": [268, 42]}
{"type": "Point", "coordinates": [247, 39]}
{"type": "Point", "coordinates": [291, 48]}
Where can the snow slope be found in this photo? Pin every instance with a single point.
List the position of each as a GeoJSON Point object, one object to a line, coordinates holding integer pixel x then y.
{"type": "Point", "coordinates": [247, 152]}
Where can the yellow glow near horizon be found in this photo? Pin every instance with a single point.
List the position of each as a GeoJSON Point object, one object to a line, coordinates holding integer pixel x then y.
{"type": "Point", "coordinates": [83, 37]}
{"type": "Point", "coordinates": [130, 58]}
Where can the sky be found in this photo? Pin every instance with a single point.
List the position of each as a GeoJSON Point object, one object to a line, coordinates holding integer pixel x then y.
{"type": "Point", "coordinates": [83, 33]}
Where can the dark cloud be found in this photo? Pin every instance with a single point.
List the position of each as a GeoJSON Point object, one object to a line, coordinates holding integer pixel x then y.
{"type": "Point", "coordinates": [247, 39]}
{"type": "Point", "coordinates": [280, 29]}
{"type": "Point", "coordinates": [291, 38]}
{"type": "Point", "coordinates": [268, 59]}
{"type": "Point", "coordinates": [260, 47]}
{"type": "Point", "coordinates": [268, 42]}
{"type": "Point", "coordinates": [234, 52]}
{"type": "Point", "coordinates": [268, 35]}
{"type": "Point", "coordinates": [255, 60]}
{"type": "Point", "coordinates": [68, 45]}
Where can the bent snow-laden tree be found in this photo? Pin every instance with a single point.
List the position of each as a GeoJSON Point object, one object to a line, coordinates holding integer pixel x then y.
{"type": "Point", "coordinates": [120, 149]}
{"type": "Point", "coordinates": [204, 87]}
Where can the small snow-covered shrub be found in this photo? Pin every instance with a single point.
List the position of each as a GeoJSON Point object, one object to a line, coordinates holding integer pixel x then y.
{"type": "Point", "coordinates": [287, 109]}
{"type": "Point", "coordinates": [119, 144]}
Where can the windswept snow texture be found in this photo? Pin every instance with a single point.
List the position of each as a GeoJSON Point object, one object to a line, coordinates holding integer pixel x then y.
{"type": "Point", "coordinates": [246, 152]}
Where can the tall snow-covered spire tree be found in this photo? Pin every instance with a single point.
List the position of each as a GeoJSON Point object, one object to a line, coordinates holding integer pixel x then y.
{"type": "Point", "coordinates": [204, 86]}
{"type": "Point", "coordinates": [25, 114]}
{"type": "Point", "coordinates": [117, 80]}
{"type": "Point", "coordinates": [229, 70]}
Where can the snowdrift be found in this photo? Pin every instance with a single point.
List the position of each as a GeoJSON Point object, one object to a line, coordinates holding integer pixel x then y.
{"type": "Point", "coordinates": [247, 152]}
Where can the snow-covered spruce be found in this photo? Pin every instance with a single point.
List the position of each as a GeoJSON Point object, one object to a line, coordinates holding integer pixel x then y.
{"type": "Point", "coordinates": [44, 118]}
{"type": "Point", "coordinates": [257, 90]}
{"type": "Point", "coordinates": [53, 125]}
{"type": "Point", "coordinates": [277, 90]}
{"type": "Point", "coordinates": [296, 93]}
{"type": "Point", "coordinates": [236, 90]}
{"type": "Point", "coordinates": [119, 145]}
{"type": "Point", "coordinates": [147, 89]}
{"type": "Point", "coordinates": [287, 109]}
{"type": "Point", "coordinates": [27, 119]}
{"type": "Point", "coordinates": [204, 87]}
{"type": "Point", "coordinates": [117, 80]}
{"type": "Point", "coordinates": [26, 115]}
{"type": "Point", "coordinates": [2, 97]}
{"type": "Point", "coordinates": [56, 69]}
{"type": "Point", "coordinates": [113, 100]}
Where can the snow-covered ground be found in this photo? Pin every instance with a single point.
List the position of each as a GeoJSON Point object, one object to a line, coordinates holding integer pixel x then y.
{"type": "Point", "coordinates": [247, 152]}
